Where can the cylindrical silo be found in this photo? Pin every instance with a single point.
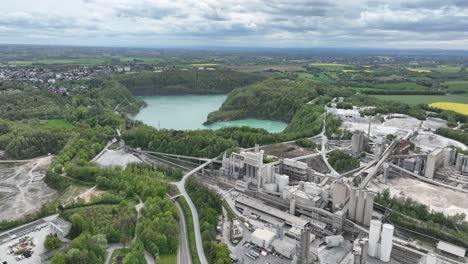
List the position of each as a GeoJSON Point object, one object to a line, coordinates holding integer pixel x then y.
{"type": "Point", "coordinates": [374, 236]}
{"type": "Point", "coordinates": [283, 181]}
{"type": "Point", "coordinates": [292, 206]}
{"type": "Point", "coordinates": [352, 205]}
{"type": "Point", "coordinates": [386, 244]}
{"type": "Point", "coordinates": [361, 200]}
{"type": "Point", "coordinates": [368, 208]}
{"type": "Point", "coordinates": [364, 249]}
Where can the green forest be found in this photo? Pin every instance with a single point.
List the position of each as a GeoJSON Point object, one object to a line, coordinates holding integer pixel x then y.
{"type": "Point", "coordinates": [273, 99]}
{"type": "Point", "coordinates": [189, 81]}
{"type": "Point", "coordinates": [209, 207]}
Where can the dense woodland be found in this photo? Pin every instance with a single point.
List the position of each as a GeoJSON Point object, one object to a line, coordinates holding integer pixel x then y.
{"type": "Point", "coordinates": [189, 81]}
{"type": "Point", "coordinates": [342, 162]}
{"type": "Point", "coordinates": [274, 99]}
{"type": "Point", "coordinates": [31, 138]}
{"type": "Point", "coordinates": [28, 103]}
{"type": "Point", "coordinates": [209, 207]}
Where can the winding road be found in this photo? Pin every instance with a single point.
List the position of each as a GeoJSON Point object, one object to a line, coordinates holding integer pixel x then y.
{"type": "Point", "coordinates": [181, 186]}
{"type": "Point", "coordinates": [183, 251]}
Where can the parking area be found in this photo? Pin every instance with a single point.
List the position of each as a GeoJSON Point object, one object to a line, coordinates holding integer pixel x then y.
{"type": "Point", "coordinates": [25, 244]}
{"type": "Point", "coordinates": [243, 252]}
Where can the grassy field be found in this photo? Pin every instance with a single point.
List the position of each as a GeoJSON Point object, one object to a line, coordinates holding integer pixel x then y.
{"type": "Point", "coordinates": [456, 107]}
{"type": "Point", "coordinates": [330, 66]}
{"type": "Point", "coordinates": [168, 259]}
{"type": "Point", "coordinates": [445, 69]}
{"type": "Point", "coordinates": [322, 77]}
{"type": "Point", "coordinates": [424, 99]}
{"type": "Point", "coordinates": [59, 123]}
{"type": "Point", "coordinates": [457, 85]}
{"type": "Point", "coordinates": [400, 86]}
{"type": "Point", "coordinates": [118, 252]}
{"type": "Point", "coordinates": [261, 68]}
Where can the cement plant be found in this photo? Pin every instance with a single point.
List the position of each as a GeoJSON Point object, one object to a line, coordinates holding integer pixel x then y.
{"type": "Point", "coordinates": [301, 210]}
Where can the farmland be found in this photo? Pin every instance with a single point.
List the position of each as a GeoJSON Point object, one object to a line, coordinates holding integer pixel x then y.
{"type": "Point", "coordinates": [456, 107]}
{"type": "Point", "coordinates": [457, 86]}
{"type": "Point", "coordinates": [419, 70]}
{"type": "Point", "coordinates": [424, 99]}
{"type": "Point", "coordinates": [205, 64]}
{"type": "Point", "coordinates": [328, 65]}
{"type": "Point", "coordinates": [400, 86]}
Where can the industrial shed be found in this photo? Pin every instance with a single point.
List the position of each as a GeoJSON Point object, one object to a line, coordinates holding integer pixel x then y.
{"type": "Point", "coordinates": [263, 237]}
{"type": "Point", "coordinates": [451, 249]}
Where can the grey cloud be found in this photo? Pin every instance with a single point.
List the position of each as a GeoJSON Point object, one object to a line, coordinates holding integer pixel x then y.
{"type": "Point", "coordinates": [326, 22]}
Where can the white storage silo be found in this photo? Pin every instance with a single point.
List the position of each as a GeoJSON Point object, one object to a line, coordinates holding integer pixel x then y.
{"type": "Point", "coordinates": [283, 181]}
{"type": "Point", "coordinates": [386, 244]}
{"type": "Point", "coordinates": [374, 236]}
{"type": "Point", "coordinates": [361, 200]}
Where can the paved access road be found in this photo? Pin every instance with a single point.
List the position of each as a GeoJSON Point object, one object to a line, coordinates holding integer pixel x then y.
{"type": "Point", "coordinates": [196, 223]}
{"type": "Point", "coordinates": [183, 252]}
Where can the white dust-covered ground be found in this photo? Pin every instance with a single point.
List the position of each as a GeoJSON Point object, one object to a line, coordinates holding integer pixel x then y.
{"type": "Point", "coordinates": [401, 125]}
{"type": "Point", "coordinates": [434, 123]}
{"type": "Point", "coordinates": [118, 157]}
{"type": "Point", "coordinates": [428, 141]}
{"type": "Point", "coordinates": [22, 188]}
{"type": "Point", "coordinates": [396, 126]}
{"type": "Point", "coordinates": [439, 199]}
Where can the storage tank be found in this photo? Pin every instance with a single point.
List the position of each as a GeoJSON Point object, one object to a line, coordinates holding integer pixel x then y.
{"type": "Point", "coordinates": [374, 236]}
{"type": "Point", "coordinates": [352, 205]}
{"type": "Point", "coordinates": [283, 181]}
{"type": "Point", "coordinates": [361, 200]}
{"type": "Point", "coordinates": [368, 208]}
{"type": "Point", "coordinates": [386, 244]}
{"type": "Point", "coordinates": [270, 187]}
{"type": "Point", "coordinates": [268, 173]}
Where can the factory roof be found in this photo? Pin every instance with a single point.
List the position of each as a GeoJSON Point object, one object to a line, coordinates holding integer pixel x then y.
{"type": "Point", "coordinates": [284, 247]}
{"type": "Point", "coordinates": [263, 234]}
{"type": "Point", "coordinates": [262, 207]}
{"type": "Point", "coordinates": [452, 249]}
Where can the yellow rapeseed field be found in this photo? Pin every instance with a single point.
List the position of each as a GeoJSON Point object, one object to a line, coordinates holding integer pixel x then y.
{"type": "Point", "coordinates": [456, 107]}
{"type": "Point", "coordinates": [418, 70]}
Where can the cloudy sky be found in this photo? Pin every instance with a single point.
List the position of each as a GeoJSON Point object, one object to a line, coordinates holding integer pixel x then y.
{"type": "Point", "coordinates": [254, 23]}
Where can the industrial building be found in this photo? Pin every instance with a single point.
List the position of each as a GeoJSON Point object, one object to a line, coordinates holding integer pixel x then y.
{"type": "Point", "coordinates": [360, 143]}
{"type": "Point", "coordinates": [436, 159]}
{"type": "Point", "coordinates": [263, 238]}
{"type": "Point", "coordinates": [296, 170]}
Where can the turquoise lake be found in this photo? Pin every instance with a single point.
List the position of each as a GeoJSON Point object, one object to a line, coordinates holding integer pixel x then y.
{"type": "Point", "coordinates": [188, 112]}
